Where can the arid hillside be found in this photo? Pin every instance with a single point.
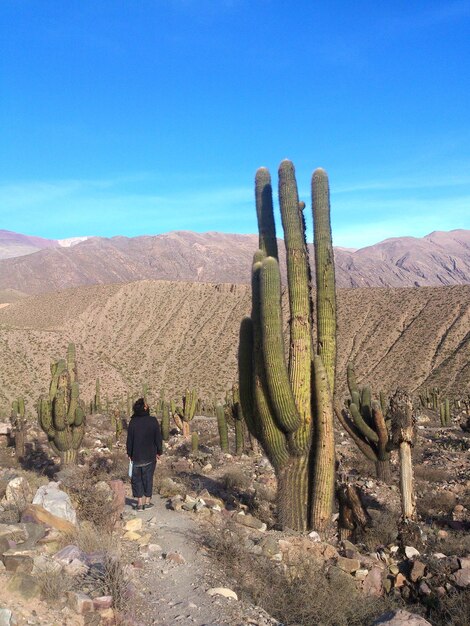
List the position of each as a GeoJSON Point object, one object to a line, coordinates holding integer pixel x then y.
{"type": "Point", "coordinates": [441, 258]}
{"type": "Point", "coordinates": [176, 334]}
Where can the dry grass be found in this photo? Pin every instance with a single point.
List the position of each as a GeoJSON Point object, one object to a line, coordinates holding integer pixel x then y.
{"type": "Point", "coordinates": [452, 610]}
{"type": "Point", "coordinates": [382, 531]}
{"type": "Point", "coordinates": [54, 583]}
{"type": "Point", "coordinates": [109, 579]}
{"type": "Point", "coordinates": [306, 598]}
{"type": "Point", "coordinates": [90, 539]}
{"type": "Point", "coordinates": [235, 479]}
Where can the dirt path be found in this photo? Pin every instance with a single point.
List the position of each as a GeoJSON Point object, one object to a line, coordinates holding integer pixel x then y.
{"type": "Point", "coordinates": [172, 592]}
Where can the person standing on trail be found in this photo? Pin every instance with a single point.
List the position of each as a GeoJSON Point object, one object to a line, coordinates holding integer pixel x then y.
{"type": "Point", "coordinates": [144, 446]}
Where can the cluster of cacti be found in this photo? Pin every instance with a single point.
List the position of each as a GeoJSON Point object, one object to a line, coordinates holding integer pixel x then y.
{"type": "Point", "coordinates": [222, 427]}
{"type": "Point", "coordinates": [18, 422]}
{"type": "Point", "coordinates": [288, 406]}
{"type": "Point", "coordinates": [61, 414]}
{"type": "Point", "coordinates": [366, 422]}
{"type": "Point", "coordinates": [116, 422]}
{"type": "Point", "coordinates": [430, 398]}
{"type": "Point", "coordinates": [403, 436]}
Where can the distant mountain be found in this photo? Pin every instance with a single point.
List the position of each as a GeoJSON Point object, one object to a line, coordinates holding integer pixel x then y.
{"type": "Point", "coordinates": [15, 244]}
{"type": "Point", "coordinates": [440, 258]}
{"type": "Point", "coordinates": [174, 335]}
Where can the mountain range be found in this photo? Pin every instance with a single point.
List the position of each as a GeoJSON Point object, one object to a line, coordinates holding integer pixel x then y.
{"type": "Point", "coordinates": [36, 265]}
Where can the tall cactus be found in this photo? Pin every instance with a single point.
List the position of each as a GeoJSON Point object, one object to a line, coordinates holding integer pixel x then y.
{"type": "Point", "coordinates": [222, 427]}
{"type": "Point", "coordinates": [61, 413]}
{"type": "Point", "coordinates": [237, 415]}
{"type": "Point", "coordinates": [190, 400]}
{"type": "Point", "coordinates": [166, 421]}
{"type": "Point", "coordinates": [97, 398]}
{"type": "Point", "coordinates": [365, 421]}
{"type": "Point", "coordinates": [288, 405]}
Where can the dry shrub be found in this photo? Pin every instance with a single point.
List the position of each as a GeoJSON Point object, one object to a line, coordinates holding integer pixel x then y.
{"type": "Point", "coordinates": [53, 582]}
{"type": "Point", "coordinates": [452, 610]}
{"type": "Point", "coordinates": [310, 597]}
{"type": "Point", "coordinates": [92, 503]}
{"type": "Point", "coordinates": [235, 479]}
{"type": "Point", "coordinates": [456, 543]}
{"type": "Point", "coordinates": [432, 502]}
{"type": "Point", "coordinates": [90, 539]}
{"type": "Point", "coordinates": [109, 579]}
{"type": "Point", "coordinates": [382, 531]}
{"type": "Point", "coordinates": [431, 474]}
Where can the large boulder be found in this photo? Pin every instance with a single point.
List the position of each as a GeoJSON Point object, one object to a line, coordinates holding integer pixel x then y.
{"type": "Point", "coordinates": [18, 494]}
{"type": "Point", "coordinates": [57, 502]}
{"type": "Point", "coordinates": [401, 618]}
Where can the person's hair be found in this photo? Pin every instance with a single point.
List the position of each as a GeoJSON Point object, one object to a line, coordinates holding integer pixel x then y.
{"type": "Point", "coordinates": [140, 407]}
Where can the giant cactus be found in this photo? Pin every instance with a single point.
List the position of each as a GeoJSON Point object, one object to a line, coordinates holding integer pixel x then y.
{"type": "Point", "coordinates": [365, 421]}
{"type": "Point", "coordinates": [186, 414]}
{"type": "Point", "coordinates": [403, 437]}
{"type": "Point", "coordinates": [288, 405]}
{"type": "Point", "coordinates": [61, 414]}
{"type": "Point", "coordinates": [222, 427]}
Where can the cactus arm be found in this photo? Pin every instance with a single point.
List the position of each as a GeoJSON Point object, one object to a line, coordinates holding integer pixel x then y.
{"type": "Point", "coordinates": [361, 425]}
{"type": "Point", "coordinates": [380, 427]}
{"type": "Point", "coordinates": [245, 374]}
{"type": "Point", "coordinates": [351, 377]}
{"type": "Point", "coordinates": [324, 442]}
{"type": "Point", "coordinates": [345, 421]}
{"type": "Point", "coordinates": [271, 438]}
{"type": "Point", "coordinates": [265, 213]}
{"type": "Point", "coordinates": [325, 274]}
{"type": "Point", "coordinates": [298, 279]}
{"type": "Point", "coordinates": [277, 377]}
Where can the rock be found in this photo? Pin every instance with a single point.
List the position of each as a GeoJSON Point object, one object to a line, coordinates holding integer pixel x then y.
{"type": "Point", "coordinates": [462, 578]}
{"type": "Point", "coordinates": [175, 557]}
{"type": "Point", "coordinates": [5, 428]}
{"type": "Point", "coordinates": [80, 602]}
{"type": "Point", "coordinates": [75, 568]}
{"type": "Point", "coordinates": [43, 563]}
{"type": "Point", "coordinates": [361, 574]}
{"type": "Point", "coordinates": [393, 569]}
{"type": "Point", "coordinates": [108, 618]}
{"type": "Point", "coordinates": [24, 585]}
{"type": "Point", "coordinates": [119, 492]}
{"type": "Point", "coordinates": [103, 602]}
{"type": "Point", "coordinates": [269, 546]}
{"type": "Point", "coordinates": [348, 565]}
{"type": "Point", "coordinates": [400, 580]}
{"type": "Point", "coordinates": [131, 535]}
{"type": "Point", "coordinates": [372, 585]}
{"type": "Point", "coordinates": [314, 536]}
{"type": "Point", "coordinates": [12, 532]}
{"type": "Point", "coordinates": [250, 521]}
{"type": "Point", "coordinates": [18, 493]}
{"type": "Point", "coordinates": [401, 618]}
{"type": "Point", "coordinates": [424, 589]}
{"type": "Point", "coordinates": [411, 552]}
{"type": "Point", "coordinates": [134, 524]}
{"type": "Point", "coordinates": [39, 515]}
{"type": "Point", "coordinates": [222, 591]}
{"type": "Point", "coordinates": [18, 560]}
{"type": "Point", "coordinates": [68, 554]}
{"type": "Point", "coordinates": [418, 570]}
{"type": "Point", "coordinates": [153, 548]}
{"type": "Point", "coordinates": [57, 502]}
{"type": "Point", "coordinates": [6, 618]}
{"type": "Point", "coordinates": [439, 555]}
{"type": "Point", "coordinates": [464, 562]}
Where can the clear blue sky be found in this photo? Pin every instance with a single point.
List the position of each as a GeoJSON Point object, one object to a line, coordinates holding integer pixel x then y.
{"type": "Point", "coordinates": [143, 116]}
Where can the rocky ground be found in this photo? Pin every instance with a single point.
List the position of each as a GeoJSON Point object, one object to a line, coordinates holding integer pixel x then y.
{"type": "Point", "coordinates": [209, 551]}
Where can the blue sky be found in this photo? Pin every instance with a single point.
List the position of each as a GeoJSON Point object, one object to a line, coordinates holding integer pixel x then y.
{"type": "Point", "coordinates": [143, 116]}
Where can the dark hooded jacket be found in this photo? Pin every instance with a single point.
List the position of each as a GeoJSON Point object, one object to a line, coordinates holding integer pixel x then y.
{"type": "Point", "coordinates": [144, 438]}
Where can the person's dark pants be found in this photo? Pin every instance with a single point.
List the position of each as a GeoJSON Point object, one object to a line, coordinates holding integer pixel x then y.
{"type": "Point", "coordinates": [142, 480]}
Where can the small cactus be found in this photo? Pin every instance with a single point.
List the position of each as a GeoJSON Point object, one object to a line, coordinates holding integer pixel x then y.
{"type": "Point", "coordinates": [97, 398]}
{"type": "Point", "coordinates": [365, 421]}
{"type": "Point", "coordinates": [18, 422]}
{"type": "Point", "coordinates": [222, 427]}
{"type": "Point", "coordinates": [166, 421]}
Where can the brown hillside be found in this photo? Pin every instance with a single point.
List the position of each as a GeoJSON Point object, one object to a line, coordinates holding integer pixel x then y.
{"type": "Point", "coordinates": [172, 335]}
{"type": "Point", "coordinates": [437, 259]}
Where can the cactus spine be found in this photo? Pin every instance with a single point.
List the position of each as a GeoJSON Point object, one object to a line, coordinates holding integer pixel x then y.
{"type": "Point", "coordinates": [61, 414]}
{"type": "Point", "coordinates": [365, 421]}
{"type": "Point", "coordinates": [288, 405]}
{"type": "Point", "coordinates": [222, 427]}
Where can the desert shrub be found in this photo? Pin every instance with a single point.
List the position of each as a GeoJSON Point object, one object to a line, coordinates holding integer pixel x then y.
{"type": "Point", "coordinates": [90, 539]}
{"type": "Point", "coordinates": [431, 474]}
{"type": "Point", "coordinates": [382, 531]}
{"type": "Point", "coordinates": [431, 502]}
{"type": "Point", "coordinates": [455, 543]}
{"type": "Point", "coordinates": [235, 479]}
{"type": "Point", "coordinates": [306, 598]}
{"type": "Point", "coordinates": [109, 579]}
{"type": "Point", "coordinates": [452, 610]}
{"type": "Point", "coordinates": [53, 582]}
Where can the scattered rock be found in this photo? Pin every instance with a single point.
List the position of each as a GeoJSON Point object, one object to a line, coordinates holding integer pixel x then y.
{"type": "Point", "coordinates": [348, 565]}
{"type": "Point", "coordinates": [18, 493]}
{"type": "Point", "coordinates": [175, 557]}
{"type": "Point", "coordinates": [134, 524]}
{"type": "Point", "coordinates": [6, 618]}
{"type": "Point", "coordinates": [411, 552]}
{"type": "Point", "coordinates": [222, 591]}
{"type": "Point", "coordinates": [372, 585]}
{"type": "Point", "coordinates": [418, 570]}
{"type": "Point", "coordinates": [80, 602]}
{"type": "Point", "coordinates": [250, 521]}
{"type": "Point", "coordinates": [462, 578]}
{"type": "Point", "coordinates": [24, 585]}
{"type": "Point", "coordinates": [39, 515]}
